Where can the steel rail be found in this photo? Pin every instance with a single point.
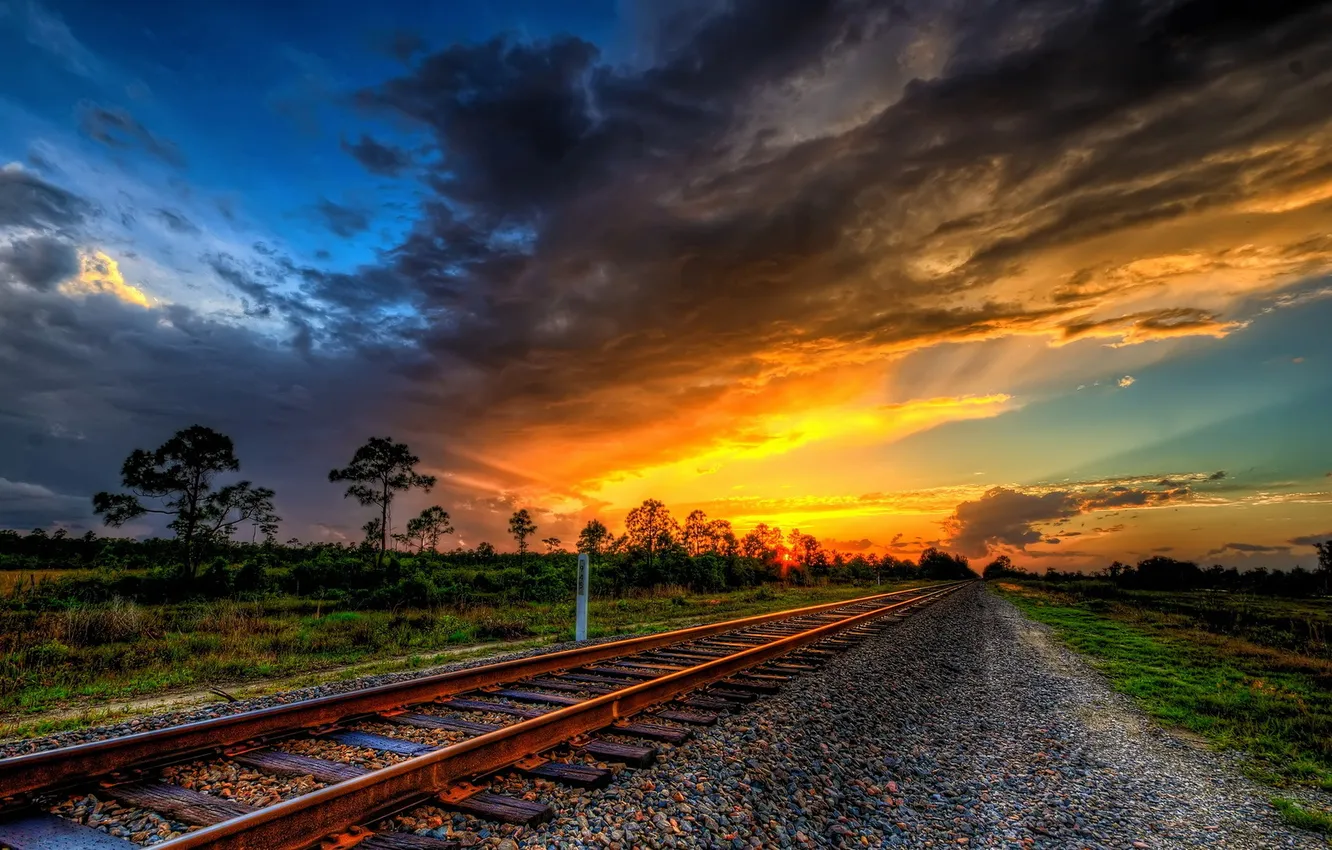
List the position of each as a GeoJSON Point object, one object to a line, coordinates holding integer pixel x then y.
{"type": "Point", "coordinates": [303, 821]}
{"type": "Point", "coordinates": [54, 769]}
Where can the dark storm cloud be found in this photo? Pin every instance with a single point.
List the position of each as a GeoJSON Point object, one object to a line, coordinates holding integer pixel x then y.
{"type": "Point", "coordinates": [27, 200]}
{"type": "Point", "coordinates": [607, 246]}
{"type": "Point", "coordinates": [345, 221]}
{"type": "Point", "coordinates": [1007, 518]}
{"type": "Point", "coordinates": [117, 128]}
{"type": "Point", "coordinates": [40, 262]}
{"type": "Point", "coordinates": [581, 208]}
{"type": "Point", "coordinates": [378, 158]}
{"type": "Point", "coordinates": [87, 379]}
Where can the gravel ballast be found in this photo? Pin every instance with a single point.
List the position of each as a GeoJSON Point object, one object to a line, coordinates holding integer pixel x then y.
{"type": "Point", "coordinates": [963, 725]}
{"type": "Point", "coordinates": [960, 725]}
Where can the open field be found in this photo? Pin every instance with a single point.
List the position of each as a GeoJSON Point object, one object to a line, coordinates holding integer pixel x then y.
{"type": "Point", "coordinates": [70, 667]}
{"type": "Point", "coordinates": [1204, 666]}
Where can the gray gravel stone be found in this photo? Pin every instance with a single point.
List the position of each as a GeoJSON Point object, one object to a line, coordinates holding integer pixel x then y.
{"type": "Point", "coordinates": [963, 725]}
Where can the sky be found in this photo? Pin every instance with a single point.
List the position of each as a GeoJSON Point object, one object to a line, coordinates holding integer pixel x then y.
{"type": "Point", "coordinates": [1025, 277]}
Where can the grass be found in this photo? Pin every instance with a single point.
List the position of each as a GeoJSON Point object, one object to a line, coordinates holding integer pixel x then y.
{"type": "Point", "coordinates": [1302, 816]}
{"type": "Point", "coordinates": [71, 669]}
{"type": "Point", "coordinates": [1273, 705]}
{"type": "Point", "coordinates": [11, 580]}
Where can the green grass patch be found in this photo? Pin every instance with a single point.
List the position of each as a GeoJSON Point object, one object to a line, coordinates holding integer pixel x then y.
{"type": "Point", "coordinates": [73, 665]}
{"type": "Point", "coordinates": [1273, 705]}
{"type": "Point", "coordinates": [1303, 817]}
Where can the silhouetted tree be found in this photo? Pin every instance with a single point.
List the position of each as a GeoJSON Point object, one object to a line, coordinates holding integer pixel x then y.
{"type": "Point", "coordinates": [937, 564]}
{"type": "Point", "coordinates": [1162, 573]}
{"type": "Point", "coordinates": [379, 470]}
{"type": "Point", "coordinates": [179, 475]}
{"type": "Point", "coordinates": [1324, 572]}
{"type": "Point", "coordinates": [594, 538]}
{"type": "Point", "coordinates": [762, 542]}
{"type": "Point", "coordinates": [651, 527]}
{"type": "Point", "coordinates": [998, 568]}
{"type": "Point", "coordinates": [696, 533]}
{"type": "Point", "coordinates": [808, 549]}
{"type": "Point", "coordinates": [522, 527]}
{"type": "Point", "coordinates": [426, 528]}
{"type": "Point", "coordinates": [721, 538]}
{"type": "Point", "coordinates": [552, 543]}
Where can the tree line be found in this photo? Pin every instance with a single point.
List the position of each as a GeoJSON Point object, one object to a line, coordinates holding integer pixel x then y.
{"type": "Point", "coordinates": [179, 481]}
{"type": "Point", "coordinates": [1162, 573]}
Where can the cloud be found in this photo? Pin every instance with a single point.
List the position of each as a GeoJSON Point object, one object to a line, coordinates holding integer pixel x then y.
{"type": "Point", "coordinates": [561, 238]}
{"type": "Point", "coordinates": [378, 158]}
{"type": "Point", "coordinates": [117, 128]}
{"type": "Point", "coordinates": [1150, 326]}
{"type": "Point", "coordinates": [1007, 518]}
{"type": "Point", "coordinates": [342, 220]}
{"type": "Point", "coordinates": [28, 201]}
{"type": "Point", "coordinates": [176, 221]}
{"type": "Point", "coordinates": [99, 273]}
{"type": "Point", "coordinates": [862, 545]}
{"type": "Point", "coordinates": [728, 244]}
{"type": "Point", "coordinates": [47, 30]}
{"type": "Point", "coordinates": [24, 506]}
{"type": "Point", "coordinates": [1126, 381]}
{"type": "Point", "coordinates": [1004, 517]}
{"type": "Point", "coordinates": [1247, 549]}
{"type": "Point", "coordinates": [1310, 539]}
{"type": "Point", "coordinates": [40, 262]}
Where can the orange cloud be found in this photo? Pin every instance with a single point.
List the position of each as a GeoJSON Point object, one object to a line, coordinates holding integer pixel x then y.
{"type": "Point", "coordinates": [99, 273]}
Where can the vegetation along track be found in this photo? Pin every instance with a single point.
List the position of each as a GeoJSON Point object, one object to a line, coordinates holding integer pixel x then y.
{"type": "Point", "coordinates": [554, 716]}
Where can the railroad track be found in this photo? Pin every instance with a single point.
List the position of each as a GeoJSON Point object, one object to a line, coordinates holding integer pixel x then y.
{"type": "Point", "coordinates": [354, 760]}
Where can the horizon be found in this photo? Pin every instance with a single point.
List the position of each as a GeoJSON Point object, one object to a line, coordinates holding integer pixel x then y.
{"type": "Point", "coordinates": [898, 278]}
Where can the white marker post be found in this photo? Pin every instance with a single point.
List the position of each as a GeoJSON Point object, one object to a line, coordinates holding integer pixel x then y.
{"type": "Point", "coordinates": [580, 616]}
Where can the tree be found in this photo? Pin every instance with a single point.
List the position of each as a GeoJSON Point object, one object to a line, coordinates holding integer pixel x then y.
{"type": "Point", "coordinates": [697, 536]}
{"type": "Point", "coordinates": [552, 543]}
{"type": "Point", "coordinates": [522, 527]}
{"type": "Point", "coordinates": [762, 542]}
{"type": "Point", "coordinates": [425, 529]}
{"type": "Point", "coordinates": [179, 476]}
{"type": "Point", "coordinates": [378, 471]}
{"type": "Point", "coordinates": [651, 527]}
{"type": "Point", "coordinates": [485, 551]}
{"type": "Point", "coordinates": [937, 564]}
{"type": "Point", "coordinates": [1324, 571]}
{"type": "Point", "coordinates": [793, 542]}
{"type": "Point", "coordinates": [594, 538]}
{"type": "Point", "coordinates": [809, 549]}
{"type": "Point", "coordinates": [721, 539]}
{"type": "Point", "coordinates": [374, 533]}
{"type": "Point", "coordinates": [998, 568]}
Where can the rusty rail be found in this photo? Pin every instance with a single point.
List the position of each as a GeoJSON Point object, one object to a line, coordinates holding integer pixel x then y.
{"type": "Point", "coordinates": [55, 769]}
{"type": "Point", "coordinates": [303, 821]}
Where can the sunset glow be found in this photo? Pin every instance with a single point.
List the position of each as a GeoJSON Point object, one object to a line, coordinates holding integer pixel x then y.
{"type": "Point", "coordinates": [961, 287]}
